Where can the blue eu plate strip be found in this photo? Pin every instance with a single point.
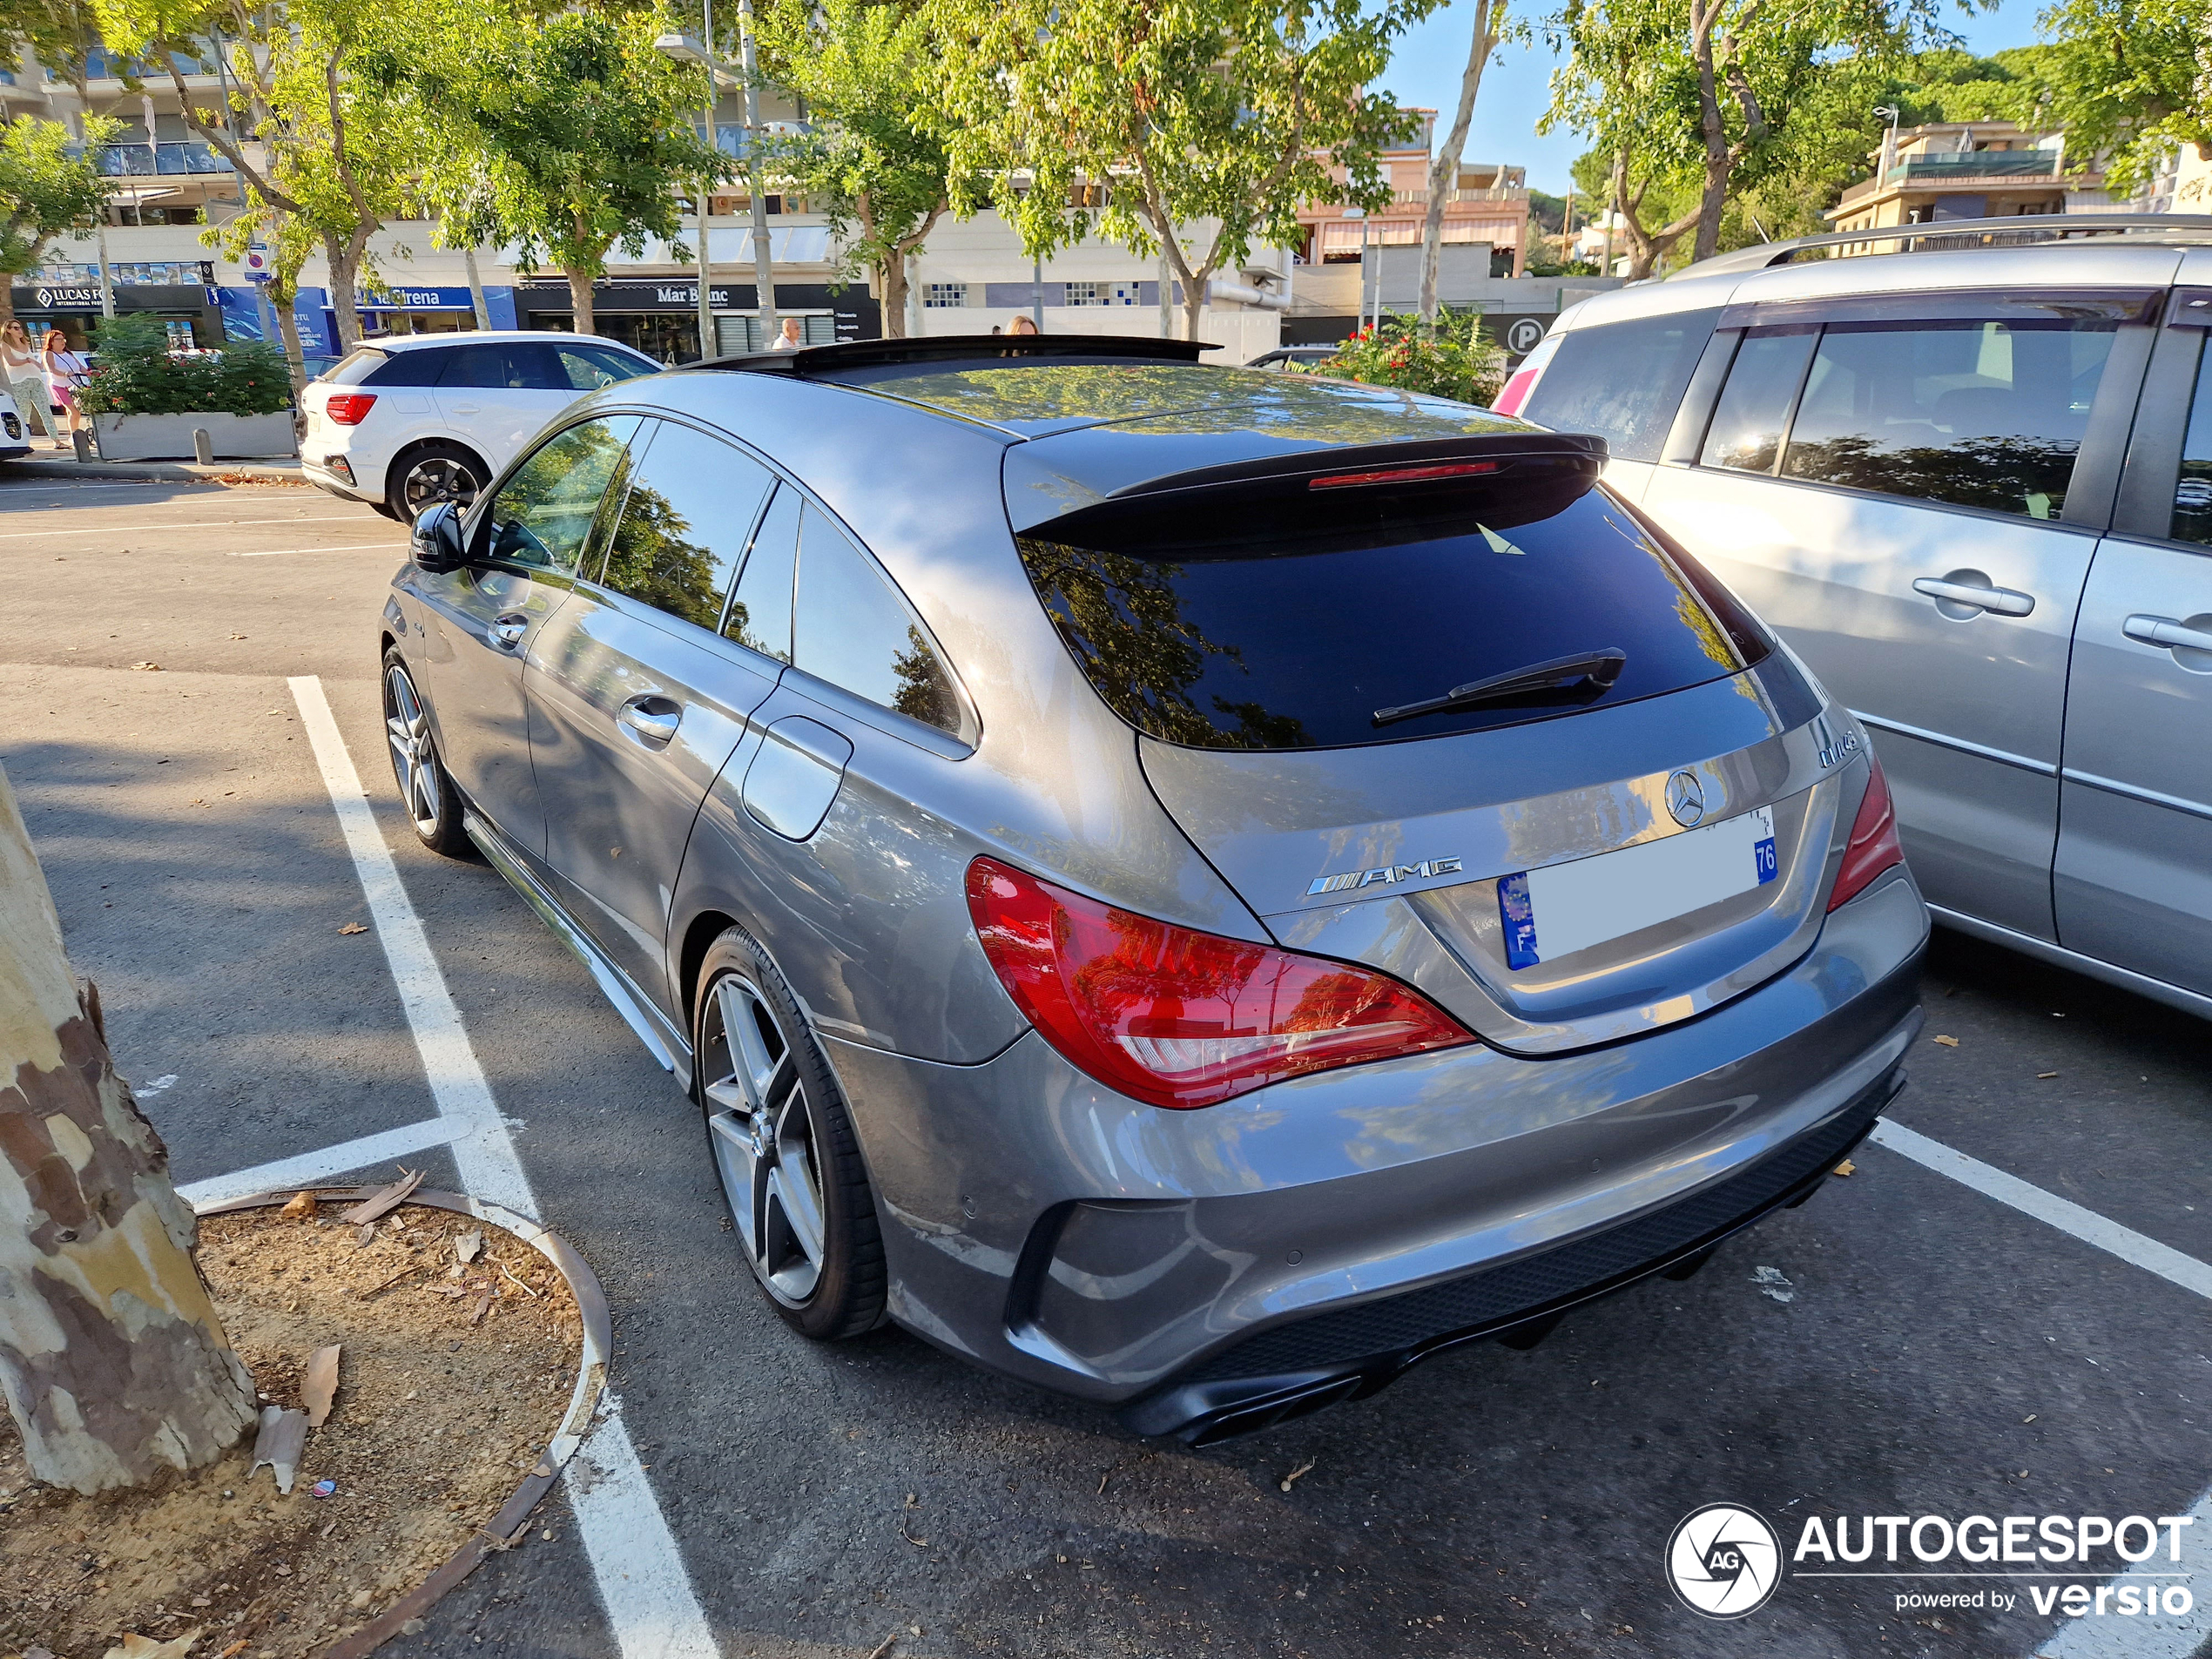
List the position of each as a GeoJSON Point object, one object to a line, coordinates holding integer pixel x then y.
{"type": "Point", "coordinates": [1520, 920]}
{"type": "Point", "coordinates": [1763, 855]}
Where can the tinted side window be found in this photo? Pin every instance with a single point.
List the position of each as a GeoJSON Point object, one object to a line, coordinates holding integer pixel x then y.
{"type": "Point", "coordinates": [586, 368]}
{"type": "Point", "coordinates": [760, 611]}
{"type": "Point", "coordinates": [1754, 408]}
{"type": "Point", "coordinates": [692, 500]}
{"type": "Point", "coordinates": [356, 367]}
{"type": "Point", "coordinates": [512, 365]}
{"type": "Point", "coordinates": [854, 630]}
{"type": "Point", "coordinates": [396, 368]}
{"type": "Point", "coordinates": [1623, 380]}
{"type": "Point", "coordinates": [543, 514]}
{"type": "Point", "coordinates": [2193, 489]}
{"type": "Point", "coordinates": [1984, 414]}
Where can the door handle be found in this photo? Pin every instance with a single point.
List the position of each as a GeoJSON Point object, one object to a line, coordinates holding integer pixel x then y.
{"type": "Point", "coordinates": [2164, 630]}
{"type": "Point", "coordinates": [509, 630]}
{"type": "Point", "coordinates": [1978, 596]}
{"type": "Point", "coordinates": [653, 717]}
{"type": "Point", "coordinates": [464, 409]}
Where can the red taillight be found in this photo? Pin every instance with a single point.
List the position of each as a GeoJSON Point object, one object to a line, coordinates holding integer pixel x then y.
{"type": "Point", "coordinates": [1400, 474]}
{"type": "Point", "coordinates": [347, 407]}
{"type": "Point", "coordinates": [1874, 846]}
{"type": "Point", "coordinates": [1178, 1018]}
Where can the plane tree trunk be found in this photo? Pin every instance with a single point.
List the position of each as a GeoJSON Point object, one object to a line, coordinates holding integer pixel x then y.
{"type": "Point", "coordinates": [112, 1357]}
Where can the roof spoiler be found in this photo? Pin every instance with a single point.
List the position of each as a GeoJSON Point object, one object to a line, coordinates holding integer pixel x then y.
{"type": "Point", "coordinates": [1352, 466]}
{"type": "Point", "coordinates": [806, 361]}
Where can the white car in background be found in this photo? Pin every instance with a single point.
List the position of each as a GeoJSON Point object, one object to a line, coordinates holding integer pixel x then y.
{"type": "Point", "coordinates": [405, 422]}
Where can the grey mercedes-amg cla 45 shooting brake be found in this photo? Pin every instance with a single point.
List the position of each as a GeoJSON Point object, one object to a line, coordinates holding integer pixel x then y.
{"type": "Point", "coordinates": [1196, 888]}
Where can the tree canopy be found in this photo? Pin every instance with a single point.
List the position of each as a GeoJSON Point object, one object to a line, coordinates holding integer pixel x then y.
{"type": "Point", "coordinates": [48, 186]}
{"type": "Point", "coordinates": [1141, 119]}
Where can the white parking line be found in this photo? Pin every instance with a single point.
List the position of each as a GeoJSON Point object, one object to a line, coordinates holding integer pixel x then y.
{"type": "Point", "coordinates": [312, 1169]}
{"type": "Point", "coordinates": [204, 524]}
{"type": "Point", "coordinates": [348, 547]}
{"type": "Point", "coordinates": [652, 1608]}
{"type": "Point", "coordinates": [2157, 1635]}
{"type": "Point", "coordinates": [2087, 1225]}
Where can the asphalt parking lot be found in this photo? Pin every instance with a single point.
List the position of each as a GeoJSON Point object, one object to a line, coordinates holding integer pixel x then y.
{"type": "Point", "coordinates": [1938, 1352]}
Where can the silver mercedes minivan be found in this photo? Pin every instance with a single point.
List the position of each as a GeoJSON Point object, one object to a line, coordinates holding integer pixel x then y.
{"type": "Point", "coordinates": [1198, 888]}
{"type": "Point", "coordinates": [1967, 474]}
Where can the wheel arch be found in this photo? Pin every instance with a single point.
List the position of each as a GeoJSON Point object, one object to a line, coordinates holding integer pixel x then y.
{"type": "Point", "coordinates": [406, 453]}
{"type": "Point", "coordinates": [699, 937]}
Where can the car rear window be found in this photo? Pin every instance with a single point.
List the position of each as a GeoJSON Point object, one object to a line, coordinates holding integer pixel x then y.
{"type": "Point", "coordinates": [356, 367]}
{"type": "Point", "coordinates": [1285, 616]}
{"type": "Point", "coordinates": [418, 368]}
{"type": "Point", "coordinates": [1624, 380]}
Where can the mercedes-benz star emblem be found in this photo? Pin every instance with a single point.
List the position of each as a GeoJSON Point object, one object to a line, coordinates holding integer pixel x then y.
{"type": "Point", "coordinates": [1685, 799]}
{"type": "Point", "coordinates": [1723, 1560]}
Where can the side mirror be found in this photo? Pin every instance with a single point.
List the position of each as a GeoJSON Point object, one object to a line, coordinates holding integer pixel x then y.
{"type": "Point", "coordinates": [435, 543]}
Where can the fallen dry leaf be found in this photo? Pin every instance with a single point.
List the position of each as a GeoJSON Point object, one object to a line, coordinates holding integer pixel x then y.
{"type": "Point", "coordinates": [470, 1245]}
{"type": "Point", "coordinates": [321, 1385]}
{"type": "Point", "coordinates": [1948, 1043]}
{"type": "Point", "coordinates": [298, 1207]}
{"type": "Point", "coordinates": [1847, 1168]}
{"type": "Point", "coordinates": [149, 668]}
{"type": "Point", "coordinates": [283, 1434]}
{"type": "Point", "coordinates": [384, 1199]}
{"type": "Point", "coordinates": [353, 927]}
{"type": "Point", "coordinates": [134, 1646]}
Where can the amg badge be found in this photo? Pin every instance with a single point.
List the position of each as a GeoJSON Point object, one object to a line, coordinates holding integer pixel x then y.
{"type": "Point", "coordinates": [1353, 880]}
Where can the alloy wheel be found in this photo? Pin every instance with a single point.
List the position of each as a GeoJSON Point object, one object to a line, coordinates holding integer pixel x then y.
{"type": "Point", "coordinates": [414, 755]}
{"type": "Point", "coordinates": [433, 479]}
{"type": "Point", "coordinates": [763, 1139]}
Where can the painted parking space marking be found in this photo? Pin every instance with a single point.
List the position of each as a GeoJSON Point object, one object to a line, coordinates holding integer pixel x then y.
{"type": "Point", "coordinates": [652, 1611]}
{"type": "Point", "coordinates": [348, 547]}
{"type": "Point", "coordinates": [207, 524]}
{"type": "Point", "coordinates": [312, 1169]}
{"type": "Point", "coordinates": [2087, 1225]}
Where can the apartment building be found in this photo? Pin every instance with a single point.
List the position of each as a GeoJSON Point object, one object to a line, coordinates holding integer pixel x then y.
{"type": "Point", "coordinates": [1948, 170]}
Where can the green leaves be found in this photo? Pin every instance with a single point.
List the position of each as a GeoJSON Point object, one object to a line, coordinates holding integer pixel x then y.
{"type": "Point", "coordinates": [1457, 360]}
{"type": "Point", "coordinates": [565, 135]}
{"type": "Point", "coordinates": [2128, 79]}
{"type": "Point", "coordinates": [44, 189]}
{"type": "Point", "coordinates": [1137, 119]}
{"type": "Point", "coordinates": [139, 375]}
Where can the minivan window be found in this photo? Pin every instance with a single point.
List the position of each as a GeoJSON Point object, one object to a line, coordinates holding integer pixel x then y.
{"type": "Point", "coordinates": [1623, 380]}
{"type": "Point", "coordinates": [2193, 489]}
{"type": "Point", "coordinates": [1978, 414]}
{"type": "Point", "coordinates": [759, 616]}
{"type": "Point", "coordinates": [1754, 408]}
{"type": "Point", "coordinates": [543, 515]}
{"type": "Point", "coordinates": [1286, 619]}
{"type": "Point", "coordinates": [691, 503]}
{"type": "Point", "coordinates": [852, 629]}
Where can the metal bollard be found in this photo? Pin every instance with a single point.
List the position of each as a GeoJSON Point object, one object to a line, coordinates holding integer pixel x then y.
{"type": "Point", "coordinates": [203, 447]}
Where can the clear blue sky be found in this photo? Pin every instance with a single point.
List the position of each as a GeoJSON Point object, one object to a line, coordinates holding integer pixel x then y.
{"type": "Point", "coordinates": [1516, 87]}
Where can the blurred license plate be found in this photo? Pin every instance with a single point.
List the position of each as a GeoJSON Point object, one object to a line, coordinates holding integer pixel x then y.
{"type": "Point", "coordinates": [1566, 907]}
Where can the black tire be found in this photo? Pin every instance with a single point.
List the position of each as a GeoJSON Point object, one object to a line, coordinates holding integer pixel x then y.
{"type": "Point", "coordinates": [385, 507]}
{"type": "Point", "coordinates": [428, 795]}
{"type": "Point", "coordinates": [797, 1124]}
{"type": "Point", "coordinates": [431, 473]}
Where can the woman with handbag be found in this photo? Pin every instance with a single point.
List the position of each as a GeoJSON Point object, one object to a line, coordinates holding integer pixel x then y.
{"type": "Point", "coordinates": [26, 378]}
{"type": "Point", "coordinates": [65, 373]}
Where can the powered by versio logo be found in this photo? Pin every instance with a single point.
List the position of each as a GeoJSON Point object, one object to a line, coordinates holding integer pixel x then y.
{"type": "Point", "coordinates": [1723, 1560]}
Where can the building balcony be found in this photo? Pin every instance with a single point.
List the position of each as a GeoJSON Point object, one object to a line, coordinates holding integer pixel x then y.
{"type": "Point", "coordinates": [148, 160]}
{"type": "Point", "coordinates": [1980, 164]}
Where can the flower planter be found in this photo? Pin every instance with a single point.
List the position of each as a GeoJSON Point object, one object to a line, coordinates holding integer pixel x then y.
{"type": "Point", "coordinates": [149, 437]}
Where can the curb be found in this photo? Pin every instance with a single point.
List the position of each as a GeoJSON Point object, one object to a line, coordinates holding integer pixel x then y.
{"type": "Point", "coordinates": [503, 1530]}
{"type": "Point", "coordinates": [167, 472]}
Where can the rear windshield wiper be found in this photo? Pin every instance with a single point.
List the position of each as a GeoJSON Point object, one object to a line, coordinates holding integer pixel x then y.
{"type": "Point", "coordinates": [1599, 668]}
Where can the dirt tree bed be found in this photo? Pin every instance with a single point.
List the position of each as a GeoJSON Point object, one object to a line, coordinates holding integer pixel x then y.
{"type": "Point", "coordinates": [450, 1387]}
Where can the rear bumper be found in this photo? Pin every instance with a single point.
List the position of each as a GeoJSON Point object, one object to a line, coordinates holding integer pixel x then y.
{"type": "Point", "coordinates": [334, 472]}
{"type": "Point", "coordinates": [1297, 1368]}
{"type": "Point", "coordinates": [1039, 1225]}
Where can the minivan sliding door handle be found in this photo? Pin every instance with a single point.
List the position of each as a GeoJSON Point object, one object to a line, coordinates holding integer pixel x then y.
{"type": "Point", "coordinates": [1976, 595]}
{"type": "Point", "coordinates": [2164, 630]}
